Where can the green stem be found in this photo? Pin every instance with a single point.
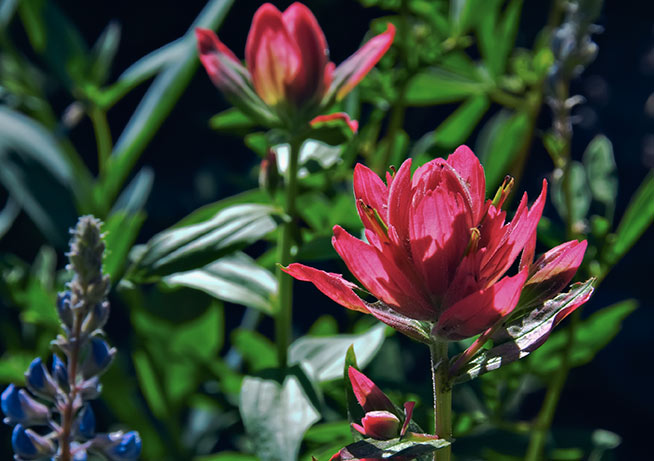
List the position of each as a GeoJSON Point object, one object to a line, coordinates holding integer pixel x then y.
{"type": "Point", "coordinates": [102, 136]}
{"type": "Point", "coordinates": [442, 397]}
{"type": "Point", "coordinates": [283, 321]}
{"type": "Point", "coordinates": [545, 417]}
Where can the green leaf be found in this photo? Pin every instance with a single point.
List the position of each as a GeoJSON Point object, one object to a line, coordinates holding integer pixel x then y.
{"type": "Point", "coordinates": [498, 145]}
{"type": "Point", "coordinates": [408, 447]}
{"type": "Point", "coordinates": [7, 9]}
{"type": "Point", "coordinates": [150, 384]}
{"type": "Point", "coordinates": [439, 86]}
{"type": "Point", "coordinates": [193, 246]}
{"type": "Point", "coordinates": [202, 337]}
{"type": "Point", "coordinates": [636, 219]}
{"type": "Point", "coordinates": [599, 163]}
{"type": "Point", "coordinates": [323, 357]}
{"type": "Point", "coordinates": [231, 120]}
{"type": "Point", "coordinates": [206, 212]}
{"type": "Point", "coordinates": [121, 230]}
{"type": "Point", "coordinates": [591, 336]}
{"type": "Point", "coordinates": [580, 195]}
{"type": "Point", "coordinates": [157, 103]}
{"type": "Point", "coordinates": [103, 53]}
{"type": "Point", "coordinates": [459, 125]}
{"type": "Point", "coordinates": [225, 456]}
{"type": "Point", "coordinates": [314, 156]}
{"type": "Point", "coordinates": [257, 350]}
{"type": "Point", "coordinates": [8, 216]}
{"type": "Point", "coordinates": [522, 336]}
{"type": "Point", "coordinates": [235, 278]}
{"type": "Point", "coordinates": [267, 407]}
{"type": "Point", "coordinates": [13, 366]}
{"type": "Point", "coordinates": [332, 132]}
{"type": "Point", "coordinates": [56, 39]}
{"type": "Point", "coordinates": [36, 173]}
{"type": "Point", "coordinates": [135, 195]}
{"type": "Point", "coordinates": [497, 32]}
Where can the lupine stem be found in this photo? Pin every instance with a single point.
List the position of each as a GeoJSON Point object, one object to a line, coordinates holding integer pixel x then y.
{"type": "Point", "coordinates": [442, 396]}
{"type": "Point", "coordinates": [283, 321]}
{"type": "Point", "coordinates": [69, 409]}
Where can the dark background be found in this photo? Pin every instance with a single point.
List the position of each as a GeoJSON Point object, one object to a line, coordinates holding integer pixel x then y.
{"type": "Point", "coordinates": [194, 166]}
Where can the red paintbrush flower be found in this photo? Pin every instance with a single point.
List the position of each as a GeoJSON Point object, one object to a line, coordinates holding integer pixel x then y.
{"type": "Point", "coordinates": [288, 74]}
{"type": "Point", "coordinates": [437, 251]}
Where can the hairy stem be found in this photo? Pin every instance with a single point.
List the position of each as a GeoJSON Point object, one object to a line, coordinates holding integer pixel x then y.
{"type": "Point", "coordinates": [283, 321]}
{"type": "Point", "coordinates": [69, 410]}
{"type": "Point", "coordinates": [442, 397]}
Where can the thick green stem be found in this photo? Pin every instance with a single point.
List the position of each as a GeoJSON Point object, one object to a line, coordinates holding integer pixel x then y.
{"type": "Point", "coordinates": [442, 397]}
{"type": "Point", "coordinates": [283, 321]}
{"type": "Point", "coordinates": [102, 136]}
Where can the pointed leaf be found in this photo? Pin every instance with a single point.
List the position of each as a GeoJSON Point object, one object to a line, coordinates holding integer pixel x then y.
{"type": "Point", "coordinates": [410, 446]}
{"type": "Point", "coordinates": [599, 163]}
{"type": "Point", "coordinates": [324, 356]}
{"type": "Point", "coordinates": [439, 86]}
{"type": "Point", "coordinates": [276, 416]}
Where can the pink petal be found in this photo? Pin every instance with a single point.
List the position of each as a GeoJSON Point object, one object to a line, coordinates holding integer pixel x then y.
{"type": "Point", "coordinates": [399, 198]}
{"type": "Point", "coordinates": [439, 234]}
{"type": "Point", "coordinates": [367, 393]}
{"type": "Point", "coordinates": [333, 285]}
{"type": "Point", "coordinates": [307, 34]}
{"type": "Point", "coordinates": [408, 413]}
{"type": "Point", "coordinates": [380, 276]}
{"type": "Point", "coordinates": [218, 60]}
{"type": "Point", "coordinates": [369, 188]}
{"type": "Point", "coordinates": [354, 68]}
{"type": "Point", "coordinates": [380, 425]}
{"type": "Point", "coordinates": [271, 54]}
{"type": "Point", "coordinates": [467, 165]}
{"type": "Point", "coordinates": [352, 124]}
{"type": "Point", "coordinates": [479, 311]}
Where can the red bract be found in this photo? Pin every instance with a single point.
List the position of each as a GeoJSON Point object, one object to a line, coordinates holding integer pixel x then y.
{"type": "Point", "coordinates": [288, 69]}
{"type": "Point", "coordinates": [438, 251]}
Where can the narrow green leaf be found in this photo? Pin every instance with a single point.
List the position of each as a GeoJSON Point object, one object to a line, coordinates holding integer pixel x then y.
{"type": "Point", "coordinates": [323, 357]}
{"type": "Point", "coordinates": [439, 86]}
{"type": "Point", "coordinates": [257, 350]}
{"type": "Point", "coordinates": [157, 103]}
{"type": "Point", "coordinates": [121, 230]}
{"type": "Point", "coordinates": [103, 53]}
{"type": "Point", "coordinates": [8, 215]}
{"type": "Point", "coordinates": [498, 145]}
{"type": "Point", "coordinates": [599, 163]}
{"type": "Point", "coordinates": [202, 337]}
{"type": "Point", "coordinates": [266, 406]}
{"type": "Point", "coordinates": [7, 9]}
{"type": "Point", "coordinates": [150, 384]}
{"type": "Point", "coordinates": [635, 221]}
{"type": "Point", "coordinates": [460, 124]}
{"type": "Point", "coordinates": [13, 366]}
{"type": "Point", "coordinates": [231, 120]}
{"type": "Point", "coordinates": [193, 246]}
{"type": "Point", "coordinates": [591, 336]}
{"type": "Point", "coordinates": [497, 32]}
{"type": "Point", "coordinates": [135, 195]}
{"type": "Point", "coordinates": [235, 278]}
{"type": "Point", "coordinates": [579, 190]}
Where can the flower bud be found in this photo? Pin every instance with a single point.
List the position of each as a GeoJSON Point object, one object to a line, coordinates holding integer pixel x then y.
{"type": "Point", "coordinates": [19, 407]}
{"type": "Point", "coordinates": [268, 173]}
{"type": "Point", "coordinates": [90, 389]}
{"type": "Point", "coordinates": [29, 445]}
{"type": "Point", "coordinates": [64, 310]}
{"type": "Point", "coordinates": [380, 425]}
{"type": "Point", "coordinates": [39, 380]}
{"type": "Point", "coordinates": [119, 446]}
{"type": "Point", "coordinates": [60, 372]}
{"type": "Point", "coordinates": [86, 422]}
{"type": "Point", "coordinates": [98, 359]}
{"type": "Point", "coordinates": [96, 318]}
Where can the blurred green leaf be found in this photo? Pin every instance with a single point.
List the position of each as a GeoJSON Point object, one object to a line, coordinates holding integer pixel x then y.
{"type": "Point", "coordinates": [135, 195]}
{"type": "Point", "coordinates": [235, 278]}
{"type": "Point", "coordinates": [257, 350]}
{"type": "Point", "coordinates": [497, 27]}
{"type": "Point", "coordinates": [456, 129]}
{"type": "Point", "coordinates": [150, 384]}
{"type": "Point", "coordinates": [8, 215]}
{"type": "Point", "coordinates": [266, 406]}
{"type": "Point", "coordinates": [323, 357]}
{"type": "Point", "coordinates": [580, 194]}
{"type": "Point", "coordinates": [439, 86]}
{"type": "Point", "coordinates": [36, 173]}
{"type": "Point", "coordinates": [462, 14]}
{"type": "Point", "coordinates": [599, 163]}
{"type": "Point", "coordinates": [56, 39]}
{"type": "Point", "coordinates": [202, 337]}
{"type": "Point", "coordinates": [193, 246]}
{"type": "Point", "coordinates": [157, 103]}
{"type": "Point", "coordinates": [7, 9]}
{"type": "Point", "coordinates": [499, 143]}
{"type": "Point", "coordinates": [636, 219]}
{"type": "Point", "coordinates": [103, 53]}
{"type": "Point", "coordinates": [231, 120]}
{"type": "Point", "coordinates": [13, 366]}
{"type": "Point", "coordinates": [591, 336]}
{"type": "Point", "coordinates": [121, 230]}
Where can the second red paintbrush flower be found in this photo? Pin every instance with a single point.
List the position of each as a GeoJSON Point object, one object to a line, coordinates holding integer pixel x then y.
{"type": "Point", "coordinates": [437, 251]}
{"type": "Point", "coordinates": [288, 74]}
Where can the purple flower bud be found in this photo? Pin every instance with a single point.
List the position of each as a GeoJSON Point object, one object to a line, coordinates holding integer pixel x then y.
{"type": "Point", "coordinates": [90, 389]}
{"type": "Point", "coordinates": [39, 380]}
{"type": "Point", "coordinates": [86, 422]}
{"type": "Point", "coordinates": [19, 407]}
{"type": "Point", "coordinates": [119, 446]}
{"type": "Point", "coordinates": [29, 445]}
{"type": "Point", "coordinates": [64, 310]}
{"type": "Point", "coordinates": [99, 358]}
{"type": "Point", "coordinates": [60, 372]}
{"type": "Point", "coordinates": [96, 318]}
